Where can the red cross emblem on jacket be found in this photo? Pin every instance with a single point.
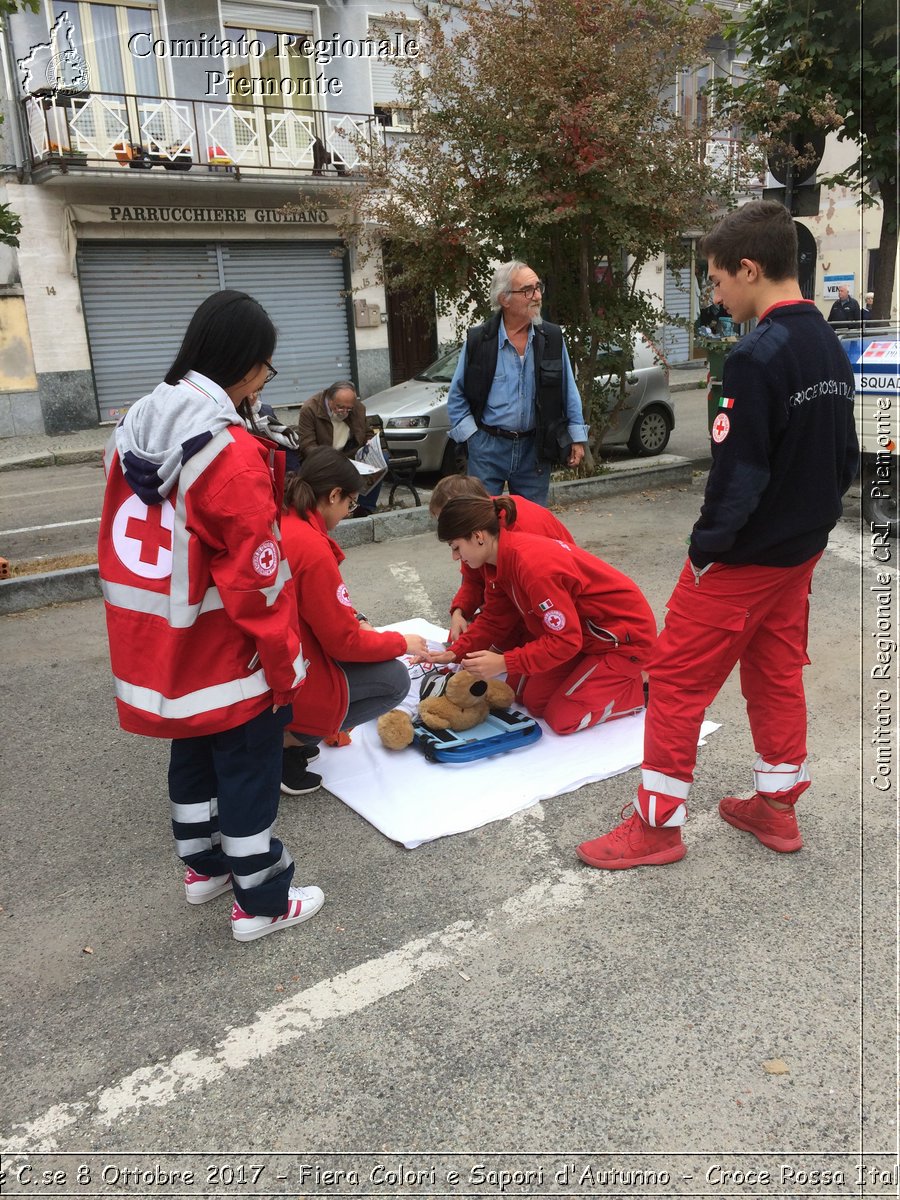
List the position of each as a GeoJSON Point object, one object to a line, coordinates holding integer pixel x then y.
{"type": "Point", "coordinates": [142, 537]}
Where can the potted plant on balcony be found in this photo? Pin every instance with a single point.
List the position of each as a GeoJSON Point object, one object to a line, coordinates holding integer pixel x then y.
{"type": "Point", "coordinates": [176, 158]}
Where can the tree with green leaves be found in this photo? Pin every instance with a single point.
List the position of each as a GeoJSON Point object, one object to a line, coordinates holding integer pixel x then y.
{"type": "Point", "coordinates": [10, 225]}
{"type": "Point", "coordinates": [826, 66]}
{"type": "Point", "coordinates": [545, 131]}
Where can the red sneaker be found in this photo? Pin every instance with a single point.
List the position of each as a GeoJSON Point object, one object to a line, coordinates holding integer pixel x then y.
{"type": "Point", "coordinates": [633, 844]}
{"type": "Point", "coordinates": [776, 828]}
{"type": "Point", "coordinates": [340, 739]}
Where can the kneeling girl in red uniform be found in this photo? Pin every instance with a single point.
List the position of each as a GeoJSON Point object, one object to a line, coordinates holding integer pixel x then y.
{"type": "Point", "coordinates": [352, 673]}
{"type": "Point", "coordinates": [530, 518]}
{"type": "Point", "coordinates": [589, 629]}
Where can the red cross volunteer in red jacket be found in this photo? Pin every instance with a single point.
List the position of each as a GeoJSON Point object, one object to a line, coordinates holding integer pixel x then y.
{"type": "Point", "coordinates": [200, 610]}
{"type": "Point", "coordinates": [353, 671]}
{"type": "Point", "coordinates": [589, 629]}
{"type": "Point", "coordinates": [530, 518]}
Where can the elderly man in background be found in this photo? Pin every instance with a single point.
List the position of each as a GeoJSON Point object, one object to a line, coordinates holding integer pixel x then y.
{"type": "Point", "coordinates": [513, 398]}
{"type": "Point", "coordinates": [845, 310]}
{"type": "Point", "coordinates": [336, 417]}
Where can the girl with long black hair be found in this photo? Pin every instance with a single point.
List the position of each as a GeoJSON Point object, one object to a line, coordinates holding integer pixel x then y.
{"type": "Point", "coordinates": [200, 611]}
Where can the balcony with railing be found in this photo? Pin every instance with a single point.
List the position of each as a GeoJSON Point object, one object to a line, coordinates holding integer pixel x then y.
{"type": "Point", "coordinates": [104, 131]}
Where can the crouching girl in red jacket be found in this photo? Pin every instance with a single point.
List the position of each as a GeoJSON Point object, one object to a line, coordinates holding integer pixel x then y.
{"type": "Point", "coordinates": [352, 672]}
{"type": "Point", "coordinates": [588, 627]}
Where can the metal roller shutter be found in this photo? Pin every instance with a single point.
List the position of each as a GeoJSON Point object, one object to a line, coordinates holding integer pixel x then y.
{"type": "Point", "coordinates": [283, 18]}
{"type": "Point", "coordinates": [138, 300]}
{"type": "Point", "coordinates": [300, 284]}
{"type": "Point", "coordinates": [677, 301]}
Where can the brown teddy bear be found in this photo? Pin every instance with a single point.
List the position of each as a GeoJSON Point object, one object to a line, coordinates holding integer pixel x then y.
{"type": "Point", "coordinates": [463, 703]}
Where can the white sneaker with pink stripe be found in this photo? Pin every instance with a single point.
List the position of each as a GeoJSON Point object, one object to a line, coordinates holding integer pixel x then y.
{"type": "Point", "coordinates": [303, 903]}
{"type": "Point", "coordinates": [200, 888]}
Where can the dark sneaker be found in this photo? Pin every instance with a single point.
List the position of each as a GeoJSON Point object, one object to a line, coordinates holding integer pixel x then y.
{"type": "Point", "coordinates": [303, 903]}
{"type": "Point", "coordinates": [296, 780]}
{"type": "Point", "coordinates": [633, 844]}
{"type": "Point", "coordinates": [776, 828]}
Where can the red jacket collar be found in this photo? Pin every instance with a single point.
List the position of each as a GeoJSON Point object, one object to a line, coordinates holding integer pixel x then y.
{"type": "Point", "coordinates": [317, 521]}
{"type": "Point", "coordinates": [784, 304]}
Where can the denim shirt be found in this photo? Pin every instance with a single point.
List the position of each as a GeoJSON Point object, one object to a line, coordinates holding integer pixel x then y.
{"type": "Point", "coordinates": [510, 402]}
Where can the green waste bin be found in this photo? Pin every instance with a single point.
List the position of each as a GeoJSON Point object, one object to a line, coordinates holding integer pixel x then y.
{"type": "Point", "coordinates": [716, 352]}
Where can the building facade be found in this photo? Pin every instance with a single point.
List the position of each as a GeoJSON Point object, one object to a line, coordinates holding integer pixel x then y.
{"type": "Point", "coordinates": [156, 151]}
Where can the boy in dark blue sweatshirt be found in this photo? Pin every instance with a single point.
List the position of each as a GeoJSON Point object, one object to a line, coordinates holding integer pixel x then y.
{"type": "Point", "coordinates": [784, 451]}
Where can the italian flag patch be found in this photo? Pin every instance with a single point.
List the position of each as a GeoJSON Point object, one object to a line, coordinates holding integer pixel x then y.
{"type": "Point", "coordinates": [726, 402]}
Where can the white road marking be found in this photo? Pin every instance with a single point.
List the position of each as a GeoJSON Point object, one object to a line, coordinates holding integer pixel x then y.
{"type": "Point", "coordinates": [529, 839]}
{"type": "Point", "coordinates": [305, 1013]}
{"type": "Point", "coordinates": [845, 542]}
{"type": "Point", "coordinates": [57, 525]}
{"type": "Point", "coordinates": [859, 546]}
{"type": "Point", "coordinates": [40, 491]}
{"type": "Point", "coordinates": [420, 601]}
{"type": "Point", "coordinates": [561, 890]}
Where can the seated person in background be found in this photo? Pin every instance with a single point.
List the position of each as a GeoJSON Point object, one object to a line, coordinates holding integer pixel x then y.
{"type": "Point", "coordinates": [262, 420]}
{"type": "Point", "coordinates": [530, 518]}
{"type": "Point", "coordinates": [589, 630]}
{"type": "Point", "coordinates": [352, 672]}
{"type": "Point", "coordinates": [336, 417]}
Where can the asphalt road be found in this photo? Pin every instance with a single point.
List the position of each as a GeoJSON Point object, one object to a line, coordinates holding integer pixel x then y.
{"type": "Point", "coordinates": [46, 512]}
{"type": "Point", "coordinates": [484, 996]}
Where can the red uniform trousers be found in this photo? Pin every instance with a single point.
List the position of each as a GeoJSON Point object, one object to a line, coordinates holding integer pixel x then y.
{"type": "Point", "coordinates": [758, 616]}
{"type": "Point", "coordinates": [584, 691]}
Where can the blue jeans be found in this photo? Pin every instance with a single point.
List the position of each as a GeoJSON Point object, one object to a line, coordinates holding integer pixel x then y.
{"type": "Point", "coordinates": [497, 461]}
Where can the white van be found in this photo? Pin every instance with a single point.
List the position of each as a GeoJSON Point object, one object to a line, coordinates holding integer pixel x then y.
{"type": "Point", "coordinates": [874, 354]}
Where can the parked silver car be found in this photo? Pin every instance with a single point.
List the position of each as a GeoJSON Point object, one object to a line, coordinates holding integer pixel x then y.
{"type": "Point", "coordinates": [414, 414]}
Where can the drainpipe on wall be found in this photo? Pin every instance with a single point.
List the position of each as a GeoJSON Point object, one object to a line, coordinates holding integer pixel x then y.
{"type": "Point", "coordinates": [10, 80]}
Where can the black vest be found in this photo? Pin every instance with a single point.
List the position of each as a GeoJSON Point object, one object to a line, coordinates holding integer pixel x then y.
{"type": "Point", "coordinates": [551, 422]}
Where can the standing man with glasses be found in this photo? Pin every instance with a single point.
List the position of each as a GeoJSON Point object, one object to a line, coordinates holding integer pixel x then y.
{"type": "Point", "coordinates": [513, 399]}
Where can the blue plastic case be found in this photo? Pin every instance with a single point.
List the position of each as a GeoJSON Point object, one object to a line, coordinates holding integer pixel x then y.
{"type": "Point", "coordinates": [498, 734]}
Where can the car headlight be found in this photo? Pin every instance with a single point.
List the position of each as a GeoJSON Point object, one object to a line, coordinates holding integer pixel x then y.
{"type": "Point", "coordinates": [408, 423]}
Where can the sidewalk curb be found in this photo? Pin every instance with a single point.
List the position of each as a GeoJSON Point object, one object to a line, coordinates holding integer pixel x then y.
{"type": "Point", "coordinates": [83, 583]}
{"type": "Point", "coordinates": [53, 458]}
{"type": "Point", "coordinates": [55, 587]}
{"type": "Point", "coordinates": [688, 386]}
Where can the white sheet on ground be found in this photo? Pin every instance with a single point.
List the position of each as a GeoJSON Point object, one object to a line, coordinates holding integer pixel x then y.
{"type": "Point", "coordinates": [412, 801]}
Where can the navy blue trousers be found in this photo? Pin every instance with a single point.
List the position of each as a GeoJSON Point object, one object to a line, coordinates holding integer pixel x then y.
{"type": "Point", "coordinates": [224, 790]}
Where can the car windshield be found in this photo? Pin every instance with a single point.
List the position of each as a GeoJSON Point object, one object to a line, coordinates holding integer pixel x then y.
{"type": "Point", "coordinates": [442, 370]}
{"type": "Point", "coordinates": [613, 359]}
